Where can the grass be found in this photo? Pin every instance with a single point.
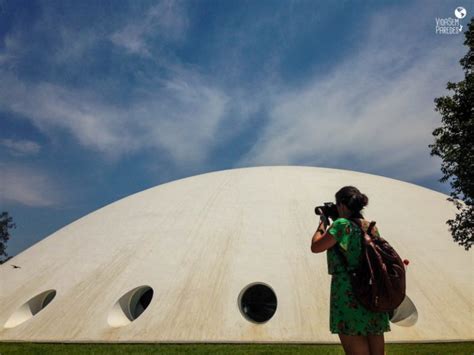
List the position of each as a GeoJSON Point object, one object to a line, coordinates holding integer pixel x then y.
{"type": "Point", "coordinates": [234, 349]}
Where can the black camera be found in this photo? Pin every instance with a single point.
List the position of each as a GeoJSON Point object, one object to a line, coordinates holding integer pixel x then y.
{"type": "Point", "coordinates": [328, 210]}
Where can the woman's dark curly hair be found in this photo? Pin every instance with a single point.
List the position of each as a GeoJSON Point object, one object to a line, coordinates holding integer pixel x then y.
{"type": "Point", "coordinates": [353, 199]}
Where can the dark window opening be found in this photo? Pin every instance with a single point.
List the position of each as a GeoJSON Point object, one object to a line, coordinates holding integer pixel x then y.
{"type": "Point", "coordinates": [49, 297]}
{"type": "Point", "coordinates": [258, 303]}
{"type": "Point", "coordinates": [142, 303]}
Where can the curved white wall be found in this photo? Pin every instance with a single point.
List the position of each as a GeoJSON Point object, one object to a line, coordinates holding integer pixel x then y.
{"type": "Point", "coordinates": [198, 242]}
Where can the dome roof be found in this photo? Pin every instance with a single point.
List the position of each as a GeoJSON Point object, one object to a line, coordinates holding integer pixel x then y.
{"type": "Point", "coordinates": [194, 259]}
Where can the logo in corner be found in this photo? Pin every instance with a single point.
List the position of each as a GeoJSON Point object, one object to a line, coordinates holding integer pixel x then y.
{"type": "Point", "coordinates": [460, 12]}
{"type": "Point", "coordinates": [450, 25]}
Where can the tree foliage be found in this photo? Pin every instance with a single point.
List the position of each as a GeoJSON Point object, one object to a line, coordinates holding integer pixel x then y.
{"type": "Point", "coordinates": [6, 223]}
{"type": "Point", "coordinates": [454, 143]}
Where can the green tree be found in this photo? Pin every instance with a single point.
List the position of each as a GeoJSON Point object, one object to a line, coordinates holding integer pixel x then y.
{"type": "Point", "coordinates": [6, 223]}
{"type": "Point", "coordinates": [454, 143]}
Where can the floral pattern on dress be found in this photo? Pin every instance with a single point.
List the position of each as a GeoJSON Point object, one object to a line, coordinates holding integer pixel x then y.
{"type": "Point", "coordinates": [347, 316]}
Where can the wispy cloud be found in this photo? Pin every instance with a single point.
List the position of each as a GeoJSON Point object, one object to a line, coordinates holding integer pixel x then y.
{"type": "Point", "coordinates": [27, 186]}
{"type": "Point", "coordinates": [176, 111]}
{"type": "Point", "coordinates": [51, 106]}
{"type": "Point", "coordinates": [180, 116]}
{"type": "Point", "coordinates": [183, 118]}
{"type": "Point", "coordinates": [12, 47]}
{"type": "Point", "coordinates": [372, 112]}
{"type": "Point", "coordinates": [20, 147]}
{"type": "Point", "coordinates": [167, 21]}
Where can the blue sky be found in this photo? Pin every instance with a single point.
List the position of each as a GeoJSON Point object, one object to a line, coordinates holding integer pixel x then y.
{"type": "Point", "coordinates": [102, 99]}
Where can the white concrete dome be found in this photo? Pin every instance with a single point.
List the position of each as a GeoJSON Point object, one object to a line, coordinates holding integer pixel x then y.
{"type": "Point", "coordinates": [173, 264]}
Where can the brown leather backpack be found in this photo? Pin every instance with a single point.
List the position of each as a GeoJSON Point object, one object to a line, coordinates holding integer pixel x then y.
{"type": "Point", "coordinates": [379, 281]}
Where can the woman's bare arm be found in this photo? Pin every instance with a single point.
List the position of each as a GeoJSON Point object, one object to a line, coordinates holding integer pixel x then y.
{"type": "Point", "coordinates": [322, 240]}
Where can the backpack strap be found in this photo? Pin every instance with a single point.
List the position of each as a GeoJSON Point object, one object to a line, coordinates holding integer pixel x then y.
{"type": "Point", "coordinates": [359, 225]}
{"type": "Point", "coordinates": [369, 228]}
{"type": "Point", "coordinates": [364, 232]}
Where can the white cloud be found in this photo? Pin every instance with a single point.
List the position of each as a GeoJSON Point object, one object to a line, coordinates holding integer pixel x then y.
{"type": "Point", "coordinates": [373, 112]}
{"type": "Point", "coordinates": [181, 116]}
{"type": "Point", "coordinates": [131, 38]}
{"type": "Point", "coordinates": [184, 119]}
{"type": "Point", "coordinates": [21, 147]}
{"type": "Point", "coordinates": [166, 20]}
{"type": "Point", "coordinates": [27, 186]}
{"type": "Point", "coordinates": [50, 106]}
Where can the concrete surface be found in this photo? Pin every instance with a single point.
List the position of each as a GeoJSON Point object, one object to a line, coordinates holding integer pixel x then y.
{"type": "Point", "coordinates": [198, 242]}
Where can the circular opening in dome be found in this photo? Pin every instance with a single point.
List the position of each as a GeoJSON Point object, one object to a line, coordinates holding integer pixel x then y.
{"type": "Point", "coordinates": [130, 306]}
{"type": "Point", "coordinates": [257, 303]}
{"type": "Point", "coordinates": [30, 309]}
{"type": "Point", "coordinates": [406, 314]}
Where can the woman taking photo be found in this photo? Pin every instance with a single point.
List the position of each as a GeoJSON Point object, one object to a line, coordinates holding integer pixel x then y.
{"type": "Point", "coordinates": [360, 330]}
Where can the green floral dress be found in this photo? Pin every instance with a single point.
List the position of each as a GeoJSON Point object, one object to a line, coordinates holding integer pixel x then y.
{"type": "Point", "coordinates": [347, 316]}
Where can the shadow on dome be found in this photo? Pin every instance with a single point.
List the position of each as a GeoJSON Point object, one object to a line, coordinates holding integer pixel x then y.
{"type": "Point", "coordinates": [130, 306]}
{"type": "Point", "coordinates": [406, 314]}
{"type": "Point", "coordinates": [29, 309]}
